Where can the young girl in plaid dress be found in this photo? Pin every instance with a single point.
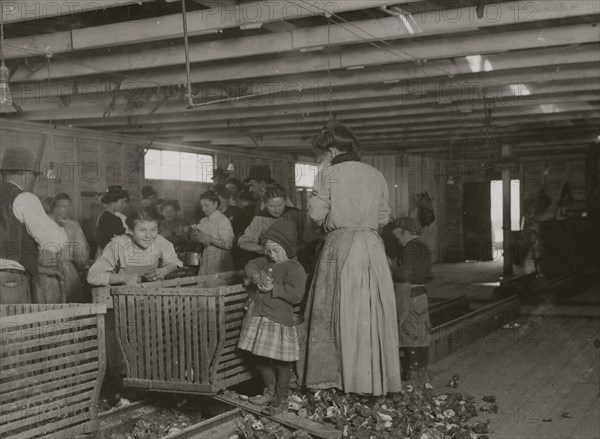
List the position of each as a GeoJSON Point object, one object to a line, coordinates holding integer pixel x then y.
{"type": "Point", "coordinates": [269, 330]}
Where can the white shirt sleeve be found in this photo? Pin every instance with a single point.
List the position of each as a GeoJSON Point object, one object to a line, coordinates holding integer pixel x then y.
{"type": "Point", "coordinates": [48, 235]}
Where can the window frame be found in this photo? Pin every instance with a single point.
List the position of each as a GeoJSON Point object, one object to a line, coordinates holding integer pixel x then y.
{"type": "Point", "coordinates": [204, 168]}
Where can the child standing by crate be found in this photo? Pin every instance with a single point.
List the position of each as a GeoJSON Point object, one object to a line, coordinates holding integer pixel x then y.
{"type": "Point", "coordinates": [269, 330]}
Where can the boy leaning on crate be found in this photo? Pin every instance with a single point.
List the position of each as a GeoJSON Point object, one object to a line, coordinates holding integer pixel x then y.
{"type": "Point", "coordinates": [269, 330]}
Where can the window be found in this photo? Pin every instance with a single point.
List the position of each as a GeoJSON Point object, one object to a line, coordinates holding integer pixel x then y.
{"type": "Point", "coordinates": [305, 175]}
{"type": "Point", "coordinates": [174, 165]}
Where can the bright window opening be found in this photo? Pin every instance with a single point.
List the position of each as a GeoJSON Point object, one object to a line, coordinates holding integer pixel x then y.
{"type": "Point", "coordinates": [496, 208]}
{"type": "Point", "coordinates": [174, 165]}
{"type": "Point", "coordinates": [305, 175]}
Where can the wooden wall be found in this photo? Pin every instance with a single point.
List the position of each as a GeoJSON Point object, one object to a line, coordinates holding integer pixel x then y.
{"type": "Point", "coordinates": [282, 170]}
{"type": "Point", "coordinates": [85, 161]}
{"type": "Point", "coordinates": [408, 175]}
{"type": "Point", "coordinates": [88, 162]}
{"type": "Point", "coordinates": [533, 173]}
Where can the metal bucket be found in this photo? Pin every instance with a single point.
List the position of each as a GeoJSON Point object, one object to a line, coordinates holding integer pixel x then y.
{"type": "Point", "coordinates": [191, 259]}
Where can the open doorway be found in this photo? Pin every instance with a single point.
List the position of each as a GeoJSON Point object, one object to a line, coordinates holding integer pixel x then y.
{"type": "Point", "coordinates": [496, 193]}
{"type": "Point", "coordinates": [482, 218]}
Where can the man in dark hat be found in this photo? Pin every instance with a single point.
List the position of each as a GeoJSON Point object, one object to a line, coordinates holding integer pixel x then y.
{"type": "Point", "coordinates": [410, 264]}
{"type": "Point", "coordinates": [149, 197]}
{"type": "Point", "coordinates": [29, 240]}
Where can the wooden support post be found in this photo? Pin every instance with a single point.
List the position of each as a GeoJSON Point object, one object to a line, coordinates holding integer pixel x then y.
{"type": "Point", "coordinates": [506, 211]}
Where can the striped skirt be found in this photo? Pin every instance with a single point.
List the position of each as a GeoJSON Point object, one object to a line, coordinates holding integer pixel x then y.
{"type": "Point", "coordinates": [270, 339]}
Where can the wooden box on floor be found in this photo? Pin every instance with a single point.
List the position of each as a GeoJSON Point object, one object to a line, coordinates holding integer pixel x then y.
{"type": "Point", "coordinates": [51, 369]}
{"type": "Point", "coordinates": [180, 335]}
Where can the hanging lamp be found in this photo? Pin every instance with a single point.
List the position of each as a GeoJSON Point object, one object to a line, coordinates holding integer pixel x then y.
{"type": "Point", "coordinates": [230, 166]}
{"type": "Point", "coordinates": [6, 103]}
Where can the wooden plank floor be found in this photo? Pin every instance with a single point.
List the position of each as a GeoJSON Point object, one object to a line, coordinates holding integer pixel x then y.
{"type": "Point", "coordinates": [545, 376]}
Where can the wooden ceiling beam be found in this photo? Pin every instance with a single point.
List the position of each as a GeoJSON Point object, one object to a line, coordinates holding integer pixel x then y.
{"type": "Point", "coordinates": [462, 148]}
{"type": "Point", "coordinates": [496, 84]}
{"type": "Point", "coordinates": [171, 26]}
{"type": "Point", "coordinates": [28, 10]}
{"type": "Point", "coordinates": [586, 137]}
{"type": "Point", "coordinates": [449, 121]}
{"type": "Point", "coordinates": [400, 105]}
{"type": "Point", "coordinates": [389, 28]}
{"type": "Point", "coordinates": [388, 61]}
{"type": "Point", "coordinates": [526, 125]}
{"type": "Point", "coordinates": [174, 113]}
{"type": "Point", "coordinates": [391, 131]}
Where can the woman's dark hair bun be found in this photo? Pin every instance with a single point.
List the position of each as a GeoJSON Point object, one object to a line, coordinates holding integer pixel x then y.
{"type": "Point", "coordinates": [113, 194]}
{"type": "Point", "coordinates": [274, 191]}
{"type": "Point", "coordinates": [211, 196]}
{"type": "Point", "coordinates": [335, 135]}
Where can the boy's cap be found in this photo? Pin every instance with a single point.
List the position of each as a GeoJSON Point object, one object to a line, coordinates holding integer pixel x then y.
{"type": "Point", "coordinates": [284, 233]}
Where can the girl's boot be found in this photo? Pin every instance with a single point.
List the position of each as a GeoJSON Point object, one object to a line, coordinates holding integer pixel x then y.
{"type": "Point", "coordinates": [265, 367]}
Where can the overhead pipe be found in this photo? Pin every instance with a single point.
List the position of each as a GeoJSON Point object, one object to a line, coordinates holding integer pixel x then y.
{"type": "Point", "coordinates": [391, 10]}
{"type": "Point", "coordinates": [189, 95]}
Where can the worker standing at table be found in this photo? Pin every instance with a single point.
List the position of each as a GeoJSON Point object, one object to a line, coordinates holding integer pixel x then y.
{"type": "Point", "coordinates": [352, 294]}
{"type": "Point", "coordinates": [276, 208]}
{"type": "Point", "coordinates": [216, 234]}
{"type": "Point", "coordinates": [111, 222]}
{"type": "Point", "coordinates": [410, 264]}
{"type": "Point", "coordinates": [26, 232]}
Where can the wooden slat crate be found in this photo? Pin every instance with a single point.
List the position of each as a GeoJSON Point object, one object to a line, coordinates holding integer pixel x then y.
{"type": "Point", "coordinates": [180, 335]}
{"type": "Point", "coordinates": [51, 369]}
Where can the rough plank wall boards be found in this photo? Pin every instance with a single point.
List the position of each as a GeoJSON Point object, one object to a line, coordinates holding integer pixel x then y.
{"type": "Point", "coordinates": [408, 175]}
{"type": "Point", "coordinates": [82, 163]}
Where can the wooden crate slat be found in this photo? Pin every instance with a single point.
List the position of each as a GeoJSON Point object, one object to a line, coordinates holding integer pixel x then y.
{"type": "Point", "coordinates": [180, 292]}
{"type": "Point", "coordinates": [139, 336]}
{"type": "Point", "coordinates": [166, 307]}
{"type": "Point", "coordinates": [204, 334]}
{"type": "Point", "coordinates": [233, 325]}
{"type": "Point", "coordinates": [127, 324]}
{"type": "Point", "coordinates": [232, 316]}
{"type": "Point", "coordinates": [231, 363]}
{"type": "Point", "coordinates": [197, 339]}
{"type": "Point", "coordinates": [52, 315]}
{"type": "Point", "coordinates": [184, 327]}
{"type": "Point", "coordinates": [189, 354]}
{"type": "Point", "coordinates": [159, 329]}
{"type": "Point", "coordinates": [233, 341]}
{"type": "Point", "coordinates": [101, 371]}
{"type": "Point", "coordinates": [72, 432]}
{"type": "Point", "coordinates": [232, 372]}
{"type": "Point", "coordinates": [52, 408]}
{"type": "Point", "coordinates": [15, 309]}
{"type": "Point", "coordinates": [238, 353]}
{"type": "Point", "coordinates": [147, 338]}
{"type": "Point", "coordinates": [49, 340]}
{"type": "Point", "coordinates": [71, 359]}
{"type": "Point", "coordinates": [221, 340]}
{"type": "Point", "coordinates": [38, 355]}
{"type": "Point", "coordinates": [181, 339]}
{"type": "Point", "coordinates": [169, 386]}
{"type": "Point", "coordinates": [233, 299]}
{"type": "Point", "coordinates": [244, 376]}
{"type": "Point", "coordinates": [37, 379]}
{"type": "Point", "coordinates": [42, 332]}
{"type": "Point", "coordinates": [15, 410]}
{"type": "Point", "coordinates": [55, 426]}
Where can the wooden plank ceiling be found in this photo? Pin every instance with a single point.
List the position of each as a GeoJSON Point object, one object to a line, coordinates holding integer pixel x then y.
{"type": "Point", "coordinates": [430, 76]}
